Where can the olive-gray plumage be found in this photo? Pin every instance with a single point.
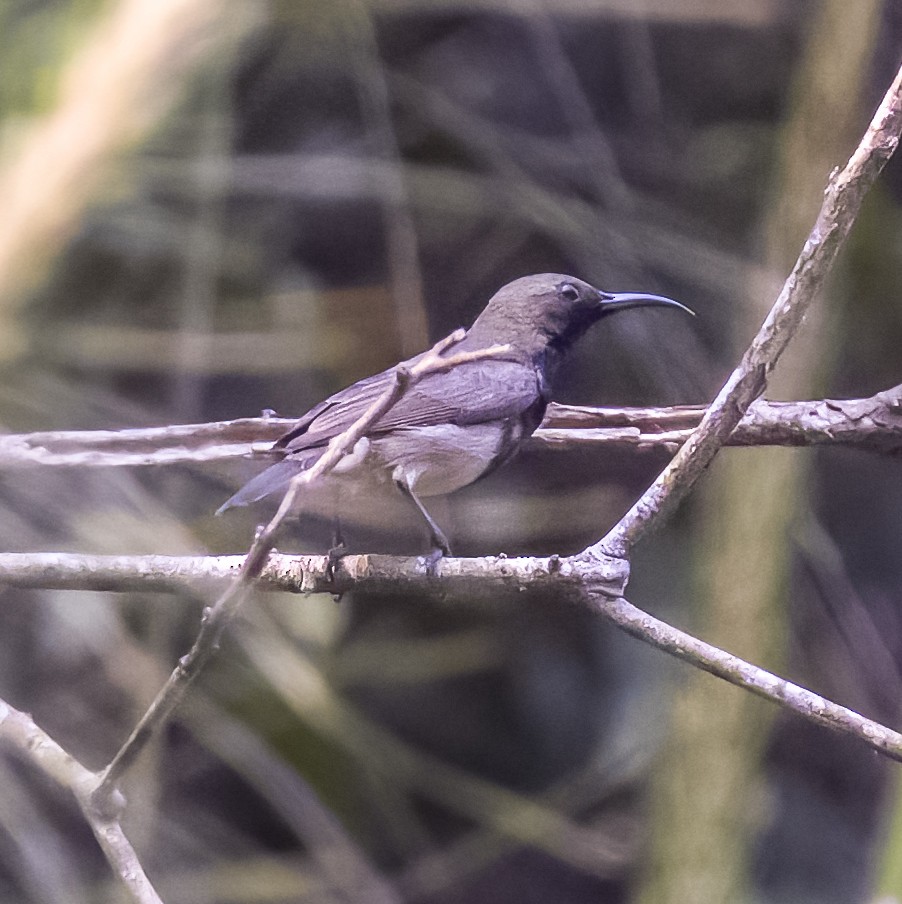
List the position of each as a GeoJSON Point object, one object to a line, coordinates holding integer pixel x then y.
{"type": "Point", "coordinates": [455, 426]}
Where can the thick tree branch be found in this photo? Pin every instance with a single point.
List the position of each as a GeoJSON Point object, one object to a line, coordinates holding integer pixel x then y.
{"type": "Point", "coordinates": [479, 581]}
{"type": "Point", "coordinates": [476, 579]}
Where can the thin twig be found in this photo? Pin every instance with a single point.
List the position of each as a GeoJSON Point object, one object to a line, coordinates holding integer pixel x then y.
{"type": "Point", "coordinates": [217, 617]}
{"type": "Point", "coordinates": [842, 201]}
{"type": "Point", "coordinates": [753, 678]}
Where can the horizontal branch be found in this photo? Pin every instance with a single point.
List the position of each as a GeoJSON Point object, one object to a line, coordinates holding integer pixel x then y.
{"type": "Point", "coordinates": [478, 578]}
{"type": "Point", "coordinates": [474, 581]}
{"type": "Point", "coordinates": [873, 424]}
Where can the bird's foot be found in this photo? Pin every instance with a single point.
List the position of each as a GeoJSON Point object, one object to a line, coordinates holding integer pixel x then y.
{"type": "Point", "coordinates": [440, 549]}
{"type": "Point", "coordinates": [334, 555]}
{"type": "Point", "coordinates": [430, 562]}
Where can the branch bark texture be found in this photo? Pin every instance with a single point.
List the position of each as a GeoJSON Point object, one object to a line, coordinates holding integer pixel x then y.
{"type": "Point", "coordinates": [480, 581]}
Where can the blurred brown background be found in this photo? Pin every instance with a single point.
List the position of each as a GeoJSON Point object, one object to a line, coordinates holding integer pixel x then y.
{"type": "Point", "coordinates": [212, 207]}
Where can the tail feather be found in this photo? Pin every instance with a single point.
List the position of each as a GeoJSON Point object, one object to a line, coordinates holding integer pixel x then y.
{"type": "Point", "coordinates": [273, 480]}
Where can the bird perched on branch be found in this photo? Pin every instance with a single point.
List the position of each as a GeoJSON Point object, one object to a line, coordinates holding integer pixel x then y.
{"type": "Point", "coordinates": [453, 426]}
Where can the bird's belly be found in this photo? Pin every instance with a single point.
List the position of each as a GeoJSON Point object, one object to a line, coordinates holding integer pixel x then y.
{"type": "Point", "coordinates": [440, 459]}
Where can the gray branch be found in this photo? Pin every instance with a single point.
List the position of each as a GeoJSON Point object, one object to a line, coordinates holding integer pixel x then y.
{"type": "Point", "coordinates": [482, 581]}
{"type": "Point", "coordinates": [845, 191]}
{"type": "Point", "coordinates": [19, 733]}
{"type": "Point", "coordinates": [596, 578]}
{"type": "Point", "coordinates": [872, 424]}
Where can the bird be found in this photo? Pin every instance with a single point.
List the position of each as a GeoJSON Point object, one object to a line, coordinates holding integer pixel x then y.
{"type": "Point", "coordinates": [452, 427]}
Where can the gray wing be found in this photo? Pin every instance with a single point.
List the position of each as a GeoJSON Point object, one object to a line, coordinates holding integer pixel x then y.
{"type": "Point", "coordinates": [472, 393]}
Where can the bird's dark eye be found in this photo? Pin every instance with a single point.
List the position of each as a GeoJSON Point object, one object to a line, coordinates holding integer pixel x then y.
{"type": "Point", "coordinates": [570, 292]}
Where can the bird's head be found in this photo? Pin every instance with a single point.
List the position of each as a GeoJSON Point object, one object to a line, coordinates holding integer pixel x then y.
{"type": "Point", "coordinates": [550, 311]}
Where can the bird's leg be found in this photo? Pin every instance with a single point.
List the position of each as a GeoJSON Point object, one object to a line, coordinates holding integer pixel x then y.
{"type": "Point", "coordinates": [440, 545]}
{"type": "Point", "coordinates": [337, 551]}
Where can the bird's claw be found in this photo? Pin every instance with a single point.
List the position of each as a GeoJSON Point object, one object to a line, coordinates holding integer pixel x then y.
{"type": "Point", "coordinates": [333, 557]}
{"type": "Point", "coordinates": [430, 563]}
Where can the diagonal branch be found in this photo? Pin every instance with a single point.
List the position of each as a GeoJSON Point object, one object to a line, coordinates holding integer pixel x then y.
{"type": "Point", "coordinates": [217, 617]}
{"type": "Point", "coordinates": [842, 202]}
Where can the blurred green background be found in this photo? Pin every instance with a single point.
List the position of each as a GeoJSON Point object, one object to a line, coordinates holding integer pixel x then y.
{"type": "Point", "coordinates": [213, 207]}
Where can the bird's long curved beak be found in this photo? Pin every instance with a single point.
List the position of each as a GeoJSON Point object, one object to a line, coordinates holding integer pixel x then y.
{"type": "Point", "coordinates": [621, 301]}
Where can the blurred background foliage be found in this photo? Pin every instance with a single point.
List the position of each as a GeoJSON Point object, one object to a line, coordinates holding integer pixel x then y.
{"type": "Point", "coordinates": [212, 207]}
